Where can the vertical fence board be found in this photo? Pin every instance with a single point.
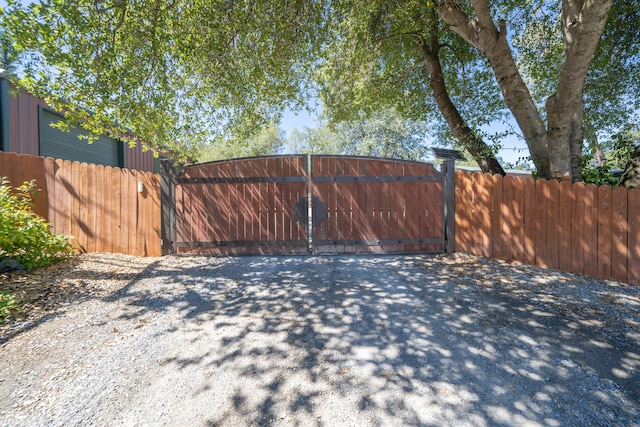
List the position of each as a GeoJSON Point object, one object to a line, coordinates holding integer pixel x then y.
{"type": "Point", "coordinates": [541, 222]}
{"type": "Point", "coordinates": [519, 201]}
{"type": "Point", "coordinates": [99, 233]}
{"type": "Point", "coordinates": [482, 193]}
{"type": "Point", "coordinates": [155, 245]}
{"type": "Point", "coordinates": [50, 169]}
{"type": "Point", "coordinates": [64, 199]}
{"type": "Point", "coordinates": [353, 207]}
{"type": "Point", "coordinates": [464, 208]}
{"type": "Point", "coordinates": [633, 263]}
{"type": "Point", "coordinates": [91, 204]}
{"type": "Point", "coordinates": [77, 192]}
{"type": "Point", "coordinates": [435, 206]}
{"type": "Point", "coordinates": [388, 169]}
{"type": "Point", "coordinates": [619, 230]}
{"type": "Point", "coordinates": [529, 221]}
{"type": "Point", "coordinates": [508, 218]}
{"type": "Point", "coordinates": [476, 239]}
{"type": "Point", "coordinates": [116, 220]}
{"type": "Point", "coordinates": [564, 226]}
{"type": "Point", "coordinates": [110, 208]}
{"type": "Point", "coordinates": [591, 230]}
{"type": "Point", "coordinates": [577, 242]}
{"type": "Point", "coordinates": [133, 214]}
{"type": "Point", "coordinates": [497, 216]}
{"type": "Point", "coordinates": [412, 205]}
{"type": "Point", "coordinates": [343, 206]}
{"type": "Point", "coordinates": [604, 231]}
{"type": "Point", "coordinates": [83, 205]}
{"type": "Point", "coordinates": [553, 209]}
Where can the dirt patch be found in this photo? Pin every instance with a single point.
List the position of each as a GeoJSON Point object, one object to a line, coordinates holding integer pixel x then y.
{"type": "Point", "coordinates": [372, 340]}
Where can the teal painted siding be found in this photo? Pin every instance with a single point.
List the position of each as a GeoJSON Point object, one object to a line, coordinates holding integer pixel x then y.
{"type": "Point", "coordinates": [66, 145]}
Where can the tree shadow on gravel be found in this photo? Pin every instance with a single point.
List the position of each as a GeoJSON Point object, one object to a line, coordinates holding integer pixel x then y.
{"type": "Point", "coordinates": [48, 293]}
{"type": "Point", "coordinates": [388, 341]}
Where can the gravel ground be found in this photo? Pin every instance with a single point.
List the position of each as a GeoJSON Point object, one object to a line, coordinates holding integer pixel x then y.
{"type": "Point", "coordinates": [372, 340]}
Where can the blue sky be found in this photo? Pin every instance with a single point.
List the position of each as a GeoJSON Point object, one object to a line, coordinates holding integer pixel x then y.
{"type": "Point", "coordinates": [514, 148]}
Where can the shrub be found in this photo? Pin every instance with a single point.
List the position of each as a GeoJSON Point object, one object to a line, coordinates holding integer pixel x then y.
{"type": "Point", "coordinates": [8, 304]}
{"type": "Point", "coordinates": [24, 236]}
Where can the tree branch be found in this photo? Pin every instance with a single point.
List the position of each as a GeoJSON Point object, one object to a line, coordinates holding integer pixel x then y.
{"type": "Point", "coordinates": [458, 21]}
{"type": "Point", "coordinates": [483, 12]}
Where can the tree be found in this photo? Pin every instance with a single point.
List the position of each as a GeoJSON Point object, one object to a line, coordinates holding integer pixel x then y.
{"type": "Point", "coordinates": [268, 141]}
{"type": "Point", "coordinates": [8, 54]}
{"type": "Point", "coordinates": [555, 149]}
{"type": "Point", "coordinates": [172, 74]}
{"type": "Point", "coordinates": [178, 73]}
{"type": "Point", "coordinates": [546, 83]}
{"type": "Point", "coordinates": [626, 149]}
{"type": "Point", "coordinates": [381, 134]}
{"type": "Point", "coordinates": [398, 55]}
{"type": "Point", "coordinates": [318, 140]}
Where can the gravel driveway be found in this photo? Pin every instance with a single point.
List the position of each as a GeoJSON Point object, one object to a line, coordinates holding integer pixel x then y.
{"type": "Point", "coordinates": [368, 340]}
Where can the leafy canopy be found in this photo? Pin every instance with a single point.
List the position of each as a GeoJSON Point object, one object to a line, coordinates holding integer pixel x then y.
{"type": "Point", "coordinates": [173, 73]}
{"type": "Point", "coordinates": [177, 74]}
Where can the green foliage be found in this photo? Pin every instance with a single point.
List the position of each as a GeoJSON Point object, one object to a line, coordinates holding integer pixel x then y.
{"type": "Point", "coordinates": [380, 134]}
{"type": "Point", "coordinates": [618, 152]}
{"type": "Point", "coordinates": [318, 140]}
{"type": "Point", "coordinates": [24, 236]}
{"type": "Point", "coordinates": [612, 87]}
{"type": "Point", "coordinates": [8, 54]}
{"type": "Point", "coordinates": [175, 75]}
{"type": "Point", "coordinates": [383, 134]}
{"type": "Point", "coordinates": [9, 304]}
{"type": "Point", "coordinates": [268, 141]}
{"type": "Point", "coordinates": [375, 63]}
{"type": "Point", "coordinates": [181, 74]}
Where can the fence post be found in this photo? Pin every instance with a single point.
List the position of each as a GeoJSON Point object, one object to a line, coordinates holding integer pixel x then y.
{"type": "Point", "coordinates": [449, 204]}
{"type": "Point", "coordinates": [168, 206]}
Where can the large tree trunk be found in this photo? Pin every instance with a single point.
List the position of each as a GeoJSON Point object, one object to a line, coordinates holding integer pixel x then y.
{"type": "Point", "coordinates": [552, 149]}
{"type": "Point", "coordinates": [631, 176]}
{"type": "Point", "coordinates": [484, 35]}
{"type": "Point", "coordinates": [576, 140]}
{"type": "Point", "coordinates": [480, 151]}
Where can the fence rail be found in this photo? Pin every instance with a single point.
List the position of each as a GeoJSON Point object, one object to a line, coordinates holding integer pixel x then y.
{"type": "Point", "coordinates": [571, 227]}
{"type": "Point", "coordinates": [99, 206]}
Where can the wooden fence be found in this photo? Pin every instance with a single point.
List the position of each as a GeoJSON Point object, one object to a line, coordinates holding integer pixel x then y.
{"type": "Point", "coordinates": [99, 206]}
{"type": "Point", "coordinates": [571, 227]}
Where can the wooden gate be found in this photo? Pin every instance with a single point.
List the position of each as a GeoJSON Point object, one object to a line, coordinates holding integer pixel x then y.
{"type": "Point", "coordinates": [376, 205]}
{"type": "Point", "coordinates": [262, 205]}
{"type": "Point", "coordinates": [244, 206]}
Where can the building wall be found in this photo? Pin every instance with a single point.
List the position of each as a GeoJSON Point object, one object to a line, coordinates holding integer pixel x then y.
{"type": "Point", "coordinates": [23, 123]}
{"type": "Point", "coordinates": [24, 129]}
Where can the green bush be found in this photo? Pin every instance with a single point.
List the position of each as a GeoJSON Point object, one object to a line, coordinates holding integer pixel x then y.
{"type": "Point", "coordinates": [8, 304]}
{"type": "Point", "coordinates": [24, 236]}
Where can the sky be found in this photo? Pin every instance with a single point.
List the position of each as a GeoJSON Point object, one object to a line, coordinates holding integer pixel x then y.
{"type": "Point", "coordinates": [514, 148]}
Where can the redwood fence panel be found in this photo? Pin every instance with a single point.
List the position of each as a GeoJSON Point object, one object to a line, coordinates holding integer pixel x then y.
{"type": "Point", "coordinates": [633, 241]}
{"type": "Point", "coordinates": [100, 207]}
{"type": "Point", "coordinates": [571, 227]}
